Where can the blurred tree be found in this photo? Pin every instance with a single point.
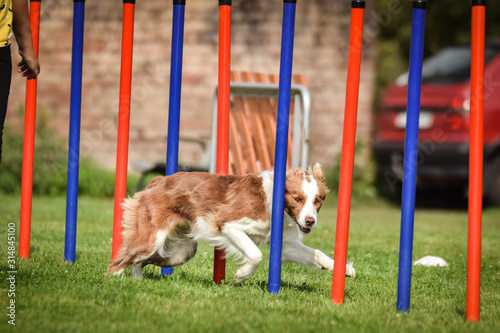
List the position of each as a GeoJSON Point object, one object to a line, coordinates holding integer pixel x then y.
{"type": "Point", "coordinates": [448, 22]}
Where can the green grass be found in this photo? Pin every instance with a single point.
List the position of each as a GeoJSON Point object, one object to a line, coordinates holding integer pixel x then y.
{"type": "Point", "coordinates": [54, 296]}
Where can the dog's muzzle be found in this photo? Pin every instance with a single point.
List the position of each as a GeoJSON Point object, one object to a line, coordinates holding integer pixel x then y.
{"type": "Point", "coordinates": [310, 221]}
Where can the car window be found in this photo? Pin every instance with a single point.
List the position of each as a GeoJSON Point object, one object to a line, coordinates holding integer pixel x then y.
{"type": "Point", "coordinates": [452, 65]}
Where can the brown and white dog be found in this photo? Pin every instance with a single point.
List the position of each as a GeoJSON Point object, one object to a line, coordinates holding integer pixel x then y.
{"type": "Point", "coordinates": [164, 223]}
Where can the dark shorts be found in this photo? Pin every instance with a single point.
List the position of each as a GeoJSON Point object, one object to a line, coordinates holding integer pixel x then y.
{"type": "Point", "coordinates": [5, 78]}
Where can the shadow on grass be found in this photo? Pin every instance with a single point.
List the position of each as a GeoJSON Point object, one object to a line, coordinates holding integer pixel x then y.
{"type": "Point", "coordinates": [209, 283]}
{"type": "Point", "coordinates": [263, 286]}
{"type": "Point", "coordinates": [191, 277]}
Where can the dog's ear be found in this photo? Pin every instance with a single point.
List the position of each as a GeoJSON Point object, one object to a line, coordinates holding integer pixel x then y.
{"type": "Point", "coordinates": [319, 174]}
{"type": "Point", "coordinates": [317, 171]}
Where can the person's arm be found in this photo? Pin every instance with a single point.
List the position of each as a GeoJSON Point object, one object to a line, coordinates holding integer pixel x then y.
{"type": "Point", "coordinates": [28, 66]}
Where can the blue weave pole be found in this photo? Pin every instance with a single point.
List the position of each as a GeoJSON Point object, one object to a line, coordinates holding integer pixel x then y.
{"type": "Point", "coordinates": [410, 156]}
{"type": "Point", "coordinates": [74, 130]}
{"type": "Point", "coordinates": [174, 108]}
{"type": "Point", "coordinates": [280, 158]}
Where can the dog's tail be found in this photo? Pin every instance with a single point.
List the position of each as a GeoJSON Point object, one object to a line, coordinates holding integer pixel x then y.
{"type": "Point", "coordinates": [116, 267]}
{"type": "Point", "coordinates": [126, 256]}
{"type": "Point", "coordinates": [121, 263]}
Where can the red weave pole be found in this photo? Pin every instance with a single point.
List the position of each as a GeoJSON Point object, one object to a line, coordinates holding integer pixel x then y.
{"type": "Point", "coordinates": [29, 143]}
{"type": "Point", "coordinates": [475, 161]}
{"type": "Point", "coordinates": [123, 125]}
{"type": "Point", "coordinates": [347, 159]}
{"type": "Point", "coordinates": [223, 115]}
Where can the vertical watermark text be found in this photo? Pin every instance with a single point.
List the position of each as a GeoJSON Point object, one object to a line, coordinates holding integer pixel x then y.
{"type": "Point", "coordinates": [11, 273]}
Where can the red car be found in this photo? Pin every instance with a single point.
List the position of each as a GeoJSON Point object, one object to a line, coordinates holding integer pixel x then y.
{"type": "Point", "coordinates": [443, 149]}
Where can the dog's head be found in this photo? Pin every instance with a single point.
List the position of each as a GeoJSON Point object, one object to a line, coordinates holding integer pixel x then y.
{"type": "Point", "coordinates": [304, 195]}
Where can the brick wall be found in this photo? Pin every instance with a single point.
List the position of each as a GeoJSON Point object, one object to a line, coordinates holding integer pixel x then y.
{"type": "Point", "coordinates": [321, 39]}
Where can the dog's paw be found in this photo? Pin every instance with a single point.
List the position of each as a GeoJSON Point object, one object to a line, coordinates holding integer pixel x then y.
{"type": "Point", "coordinates": [244, 273]}
{"type": "Point", "coordinates": [242, 276]}
{"type": "Point", "coordinates": [349, 270]}
{"type": "Point", "coordinates": [239, 279]}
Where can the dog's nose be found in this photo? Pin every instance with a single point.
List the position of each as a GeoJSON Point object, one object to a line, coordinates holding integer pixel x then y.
{"type": "Point", "coordinates": [310, 221]}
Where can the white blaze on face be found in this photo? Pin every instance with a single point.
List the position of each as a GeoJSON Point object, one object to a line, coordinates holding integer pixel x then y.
{"type": "Point", "coordinates": [311, 190]}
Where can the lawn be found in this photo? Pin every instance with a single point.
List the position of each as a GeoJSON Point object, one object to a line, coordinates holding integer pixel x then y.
{"type": "Point", "coordinates": [54, 296]}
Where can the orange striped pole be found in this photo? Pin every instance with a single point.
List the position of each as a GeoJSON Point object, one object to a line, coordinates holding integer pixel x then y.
{"type": "Point", "coordinates": [123, 124]}
{"type": "Point", "coordinates": [29, 142]}
{"type": "Point", "coordinates": [348, 145]}
{"type": "Point", "coordinates": [475, 160]}
{"type": "Point", "coordinates": [223, 114]}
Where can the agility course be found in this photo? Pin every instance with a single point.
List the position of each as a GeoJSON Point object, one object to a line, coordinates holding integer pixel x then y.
{"type": "Point", "coordinates": [408, 201]}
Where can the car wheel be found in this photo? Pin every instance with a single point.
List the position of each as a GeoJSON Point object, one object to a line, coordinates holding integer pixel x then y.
{"type": "Point", "coordinates": [492, 182]}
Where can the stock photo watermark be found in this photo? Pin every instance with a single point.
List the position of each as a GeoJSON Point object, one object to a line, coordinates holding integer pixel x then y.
{"type": "Point", "coordinates": [11, 273]}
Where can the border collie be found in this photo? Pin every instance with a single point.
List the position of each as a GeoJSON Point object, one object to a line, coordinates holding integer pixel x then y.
{"type": "Point", "coordinates": [164, 223]}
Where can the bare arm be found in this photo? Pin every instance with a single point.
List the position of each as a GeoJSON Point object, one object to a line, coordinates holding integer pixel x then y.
{"type": "Point", "coordinates": [28, 66]}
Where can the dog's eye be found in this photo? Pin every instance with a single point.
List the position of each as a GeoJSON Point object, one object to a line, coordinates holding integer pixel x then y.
{"type": "Point", "coordinates": [317, 202]}
{"type": "Point", "coordinates": [298, 200]}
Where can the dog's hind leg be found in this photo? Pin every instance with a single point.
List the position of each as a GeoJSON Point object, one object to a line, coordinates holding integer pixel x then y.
{"type": "Point", "coordinates": [183, 252]}
{"type": "Point", "coordinates": [137, 271]}
{"type": "Point", "coordinates": [173, 247]}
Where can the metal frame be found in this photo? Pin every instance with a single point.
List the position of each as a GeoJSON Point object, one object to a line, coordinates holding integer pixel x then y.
{"type": "Point", "coordinates": [302, 111]}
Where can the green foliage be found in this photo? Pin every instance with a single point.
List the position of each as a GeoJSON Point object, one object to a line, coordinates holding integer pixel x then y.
{"type": "Point", "coordinates": [363, 176]}
{"type": "Point", "coordinates": [50, 165]}
{"type": "Point", "coordinates": [53, 296]}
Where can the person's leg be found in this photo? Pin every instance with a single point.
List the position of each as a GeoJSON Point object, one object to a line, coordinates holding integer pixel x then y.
{"type": "Point", "coordinates": [5, 78]}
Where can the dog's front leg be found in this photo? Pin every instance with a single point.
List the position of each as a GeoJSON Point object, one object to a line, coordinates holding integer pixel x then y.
{"type": "Point", "coordinates": [253, 256]}
{"type": "Point", "coordinates": [296, 251]}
